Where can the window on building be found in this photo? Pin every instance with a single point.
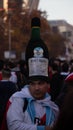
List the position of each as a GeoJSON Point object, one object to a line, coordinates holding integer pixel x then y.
{"type": "Point", "coordinates": [55, 29]}
{"type": "Point", "coordinates": [69, 33]}
{"type": "Point", "coordinates": [64, 34]}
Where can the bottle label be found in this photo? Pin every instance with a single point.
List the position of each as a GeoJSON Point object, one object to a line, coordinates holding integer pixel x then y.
{"type": "Point", "coordinates": [38, 66]}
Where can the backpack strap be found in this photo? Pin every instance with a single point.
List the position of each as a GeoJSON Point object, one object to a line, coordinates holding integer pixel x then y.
{"type": "Point", "coordinates": [25, 104]}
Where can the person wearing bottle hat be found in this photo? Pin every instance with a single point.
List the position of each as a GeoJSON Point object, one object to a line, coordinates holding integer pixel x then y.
{"type": "Point", "coordinates": [41, 112]}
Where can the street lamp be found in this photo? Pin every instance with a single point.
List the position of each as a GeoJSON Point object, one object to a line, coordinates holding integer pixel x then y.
{"type": "Point", "coordinates": [9, 24]}
{"type": "Point", "coordinates": [9, 38]}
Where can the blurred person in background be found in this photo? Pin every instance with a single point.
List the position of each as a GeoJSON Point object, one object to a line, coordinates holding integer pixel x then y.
{"type": "Point", "coordinates": [65, 117]}
{"type": "Point", "coordinates": [7, 88]}
{"type": "Point", "coordinates": [1, 68]}
{"type": "Point", "coordinates": [67, 86]}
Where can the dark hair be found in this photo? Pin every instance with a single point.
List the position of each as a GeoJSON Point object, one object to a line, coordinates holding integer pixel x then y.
{"type": "Point", "coordinates": [6, 73]}
{"type": "Point", "coordinates": [54, 67]}
{"type": "Point", "coordinates": [65, 67]}
{"type": "Point", "coordinates": [1, 64]}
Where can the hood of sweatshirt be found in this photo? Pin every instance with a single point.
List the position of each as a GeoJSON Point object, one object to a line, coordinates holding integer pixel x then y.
{"type": "Point", "coordinates": [25, 93]}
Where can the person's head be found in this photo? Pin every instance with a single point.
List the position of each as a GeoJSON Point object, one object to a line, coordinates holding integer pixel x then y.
{"type": "Point", "coordinates": [54, 67]}
{"type": "Point", "coordinates": [38, 89]}
{"type": "Point", "coordinates": [6, 73]}
{"type": "Point", "coordinates": [65, 67]}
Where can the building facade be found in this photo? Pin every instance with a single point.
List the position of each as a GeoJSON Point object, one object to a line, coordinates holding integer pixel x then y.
{"type": "Point", "coordinates": [1, 4]}
{"type": "Point", "coordinates": [66, 30]}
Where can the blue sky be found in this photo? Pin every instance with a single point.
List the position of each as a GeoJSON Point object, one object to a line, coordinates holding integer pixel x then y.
{"type": "Point", "coordinates": [58, 9]}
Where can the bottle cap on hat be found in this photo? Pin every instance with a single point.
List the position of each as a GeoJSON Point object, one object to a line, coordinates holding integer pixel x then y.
{"type": "Point", "coordinates": [35, 22]}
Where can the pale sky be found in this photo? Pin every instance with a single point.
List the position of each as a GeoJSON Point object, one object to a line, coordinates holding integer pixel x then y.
{"type": "Point", "coordinates": [58, 9]}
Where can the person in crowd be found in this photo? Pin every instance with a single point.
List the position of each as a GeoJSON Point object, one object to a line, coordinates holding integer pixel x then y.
{"type": "Point", "coordinates": [65, 117]}
{"type": "Point", "coordinates": [1, 68]}
{"type": "Point", "coordinates": [7, 88]}
{"type": "Point", "coordinates": [41, 112]}
{"type": "Point", "coordinates": [22, 74]}
{"type": "Point", "coordinates": [13, 77]}
{"type": "Point", "coordinates": [67, 86]}
{"type": "Point", "coordinates": [55, 82]}
{"type": "Point", "coordinates": [12, 67]}
{"type": "Point", "coordinates": [64, 70]}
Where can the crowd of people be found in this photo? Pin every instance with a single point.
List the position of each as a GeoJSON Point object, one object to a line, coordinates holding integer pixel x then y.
{"type": "Point", "coordinates": [38, 96]}
{"type": "Point", "coordinates": [58, 86]}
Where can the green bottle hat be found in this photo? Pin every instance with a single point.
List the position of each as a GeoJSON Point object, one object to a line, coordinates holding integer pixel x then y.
{"type": "Point", "coordinates": [37, 55]}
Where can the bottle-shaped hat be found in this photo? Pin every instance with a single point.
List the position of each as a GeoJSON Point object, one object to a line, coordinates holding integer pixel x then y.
{"type": "Point", "coordinates": [37, 55]}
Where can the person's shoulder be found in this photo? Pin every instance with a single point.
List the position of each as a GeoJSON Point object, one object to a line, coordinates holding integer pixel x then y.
{"type": "Point", "coordinates": [22, 94]}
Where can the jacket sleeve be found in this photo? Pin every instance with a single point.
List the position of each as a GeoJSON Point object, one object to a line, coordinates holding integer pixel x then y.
{"type": "Point", "coordinates": [17, 119]}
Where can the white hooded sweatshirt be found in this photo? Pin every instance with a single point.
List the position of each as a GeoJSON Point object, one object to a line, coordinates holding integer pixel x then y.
{"type": "Point", "coordinates": [36, 109]}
